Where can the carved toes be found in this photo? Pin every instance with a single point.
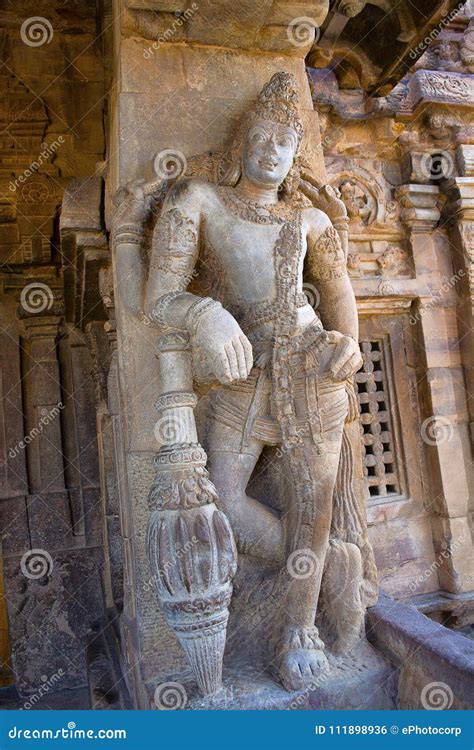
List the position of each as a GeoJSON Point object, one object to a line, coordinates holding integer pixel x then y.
{"type": "Point", "coordinates": [298, 669]}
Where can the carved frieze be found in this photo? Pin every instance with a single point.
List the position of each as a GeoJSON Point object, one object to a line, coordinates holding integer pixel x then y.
{"type": "Point", "coordinates": [443, 87]}
{"type": "Point", "coordinates": [394, 261]}
{"type": "Point", "coordinates": [443, 54]}
{"type": "Point", "coordinates": [368, 196]}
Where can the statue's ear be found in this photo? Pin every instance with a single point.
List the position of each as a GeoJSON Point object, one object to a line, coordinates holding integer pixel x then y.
{"type": "Point", "coordinates": [291, 183]}
{"type": "Point", "coordinates": [229, 168]}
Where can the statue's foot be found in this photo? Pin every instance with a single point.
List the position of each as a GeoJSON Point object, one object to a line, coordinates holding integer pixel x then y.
{"type": "Point", "coordinates": [299, 669]}
{"type": "Point", "coordinates": [300, 658]}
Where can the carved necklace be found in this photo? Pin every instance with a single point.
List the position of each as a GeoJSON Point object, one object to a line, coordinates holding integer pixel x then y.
{"type": "Point", "coordinates": [257, 213]}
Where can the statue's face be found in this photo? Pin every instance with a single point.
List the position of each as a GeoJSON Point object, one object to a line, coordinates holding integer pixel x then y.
{"type": "Point", "coordinates": [269, 151]}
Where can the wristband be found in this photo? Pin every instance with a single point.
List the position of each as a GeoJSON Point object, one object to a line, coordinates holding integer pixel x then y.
{"type": "Point", "coordinates": [160, 307]}
{"type": "Point", "coordinates": [197, 310]}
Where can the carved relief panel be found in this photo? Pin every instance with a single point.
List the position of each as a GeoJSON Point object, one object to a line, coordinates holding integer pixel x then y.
{"type": "Point", "coordinates": [377, 244]}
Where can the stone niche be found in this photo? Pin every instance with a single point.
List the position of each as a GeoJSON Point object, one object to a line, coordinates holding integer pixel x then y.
{"type": "Point", "coordinates": [184, 99]}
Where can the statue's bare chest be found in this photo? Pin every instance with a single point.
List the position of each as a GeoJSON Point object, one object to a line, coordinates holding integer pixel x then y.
{"type": "Point", "coordinates": [243, 251]}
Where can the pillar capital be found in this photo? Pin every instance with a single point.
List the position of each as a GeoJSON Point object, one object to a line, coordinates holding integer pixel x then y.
{"type": "Point", "coordinates": [419, 206]}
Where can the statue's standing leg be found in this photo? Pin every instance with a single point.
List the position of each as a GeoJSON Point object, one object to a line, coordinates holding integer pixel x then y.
{"type": "Point", "coordinates": [311, 471]}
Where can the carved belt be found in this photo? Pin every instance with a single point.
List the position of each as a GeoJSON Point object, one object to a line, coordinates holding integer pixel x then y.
{"type": "Point", "coordinates": [254, 314]}
{"type": "Point", "coordinates": [255, 422]}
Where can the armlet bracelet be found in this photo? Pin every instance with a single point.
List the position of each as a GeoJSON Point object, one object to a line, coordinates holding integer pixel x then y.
{"type": "Point", "coordinates": [197, 310]}
{"type": "Point", "coordinates": [160, 307]}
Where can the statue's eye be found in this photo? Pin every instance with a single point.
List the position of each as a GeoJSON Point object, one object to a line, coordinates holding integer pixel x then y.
{"type": "Point", "coordinates": [258, 137]}
{"type": "Point", "coordinates": [284, 141]}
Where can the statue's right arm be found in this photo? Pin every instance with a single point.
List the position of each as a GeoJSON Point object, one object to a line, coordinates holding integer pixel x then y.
{"type": "Point", "coordinates": [215, 334]}
{"type": "Point", "coordinates": [173, 258]}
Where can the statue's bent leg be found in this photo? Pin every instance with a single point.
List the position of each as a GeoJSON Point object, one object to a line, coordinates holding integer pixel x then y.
{"type": "Point", "coordinates": [257, 529]}
{"type": "Point", "coordinates": [311, 471]}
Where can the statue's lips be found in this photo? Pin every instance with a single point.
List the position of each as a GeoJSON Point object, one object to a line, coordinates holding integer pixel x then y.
{"type": "Point", "coordinates": [265, 164]}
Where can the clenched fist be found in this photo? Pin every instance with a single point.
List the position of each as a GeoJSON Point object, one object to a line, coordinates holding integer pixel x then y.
{"type": "Point", "coordinates": [220, 348]}
{"type": "Point", "coordinates": [346, 359]}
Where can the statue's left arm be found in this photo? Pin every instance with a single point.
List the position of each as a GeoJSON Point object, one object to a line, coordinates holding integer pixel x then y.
{"type": "Point", "coordinates": [326, 270]}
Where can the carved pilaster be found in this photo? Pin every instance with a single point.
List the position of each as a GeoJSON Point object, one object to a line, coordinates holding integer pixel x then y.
{"type": "Point", "coordinates": [190, 544]}
{"type": "Point", "coordinates": [460, 221]}
{"type": "Point", "coordinates": [43, 394]}
{"type": "Point", "coordinates": [84, 247]}
{"type": "Point", "coordinates": [420, 206]}
{"type": "Point", "coordinates": [460, 214]}
{"type": "Point", "coordinates": [421, 213]}
{"type": "Point", "coordinates": [465, 159]}
{"type": "Point", "coordinates": [106, 291]}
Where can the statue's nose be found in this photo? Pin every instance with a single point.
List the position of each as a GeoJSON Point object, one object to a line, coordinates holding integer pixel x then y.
{"type": "Point", "coordinates": [270, 145]}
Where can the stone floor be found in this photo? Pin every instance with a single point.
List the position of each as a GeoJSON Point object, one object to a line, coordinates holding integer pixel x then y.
{"type": "Point", "coordinates": [359, 681]}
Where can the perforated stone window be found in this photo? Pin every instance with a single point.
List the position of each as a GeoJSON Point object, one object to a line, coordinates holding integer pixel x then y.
{"type": "Point", "coordinates": [380, 465]}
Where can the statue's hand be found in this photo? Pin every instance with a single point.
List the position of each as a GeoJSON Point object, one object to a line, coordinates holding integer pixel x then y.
{"type": "Point", "coordinates": [346, 358]}
{"type": "Point", "coordinates": [132, 204]}
{"type": "Point", "coordinates": [218, 340]}
{"type": "Point", "coordinates": [324, 197]}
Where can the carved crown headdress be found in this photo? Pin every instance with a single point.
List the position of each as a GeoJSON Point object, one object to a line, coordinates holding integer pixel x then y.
{"type": "Point", "coordinates": [279, 101]}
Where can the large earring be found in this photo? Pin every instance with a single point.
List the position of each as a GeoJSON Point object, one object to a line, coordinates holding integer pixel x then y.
{"type": "Point", "coordinates": [290, 184]}
{"type": "Point", "coordinates": [229, 169]}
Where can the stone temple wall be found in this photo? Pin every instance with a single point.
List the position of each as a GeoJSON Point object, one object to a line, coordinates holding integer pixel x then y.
{"type": "Point", "coordinates": [76, 414]}
{"type": "Point", "coordinates": [404, 166]}
{"type": "Point", "coordinates": [51, 514]}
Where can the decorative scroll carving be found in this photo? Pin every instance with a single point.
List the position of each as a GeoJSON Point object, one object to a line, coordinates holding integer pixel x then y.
{"type": "Point", "coordinates": [446, 86]}
{"type": "Point", "coordinates": [350, 8]}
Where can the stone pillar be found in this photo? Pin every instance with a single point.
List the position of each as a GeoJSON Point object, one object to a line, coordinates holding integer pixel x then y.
{"type": "Point", "coordinates": [45, 460]}
{"type": "Point", "coordinates": [460, 216]}
{"type": "Point", "coordinates": [444, 429]}
{"type": "Point", "coordinates": [178, 98]}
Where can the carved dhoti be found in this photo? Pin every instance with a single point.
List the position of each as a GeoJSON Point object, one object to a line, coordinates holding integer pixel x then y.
{"type": "Point", "coordinates": [239, 418]}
